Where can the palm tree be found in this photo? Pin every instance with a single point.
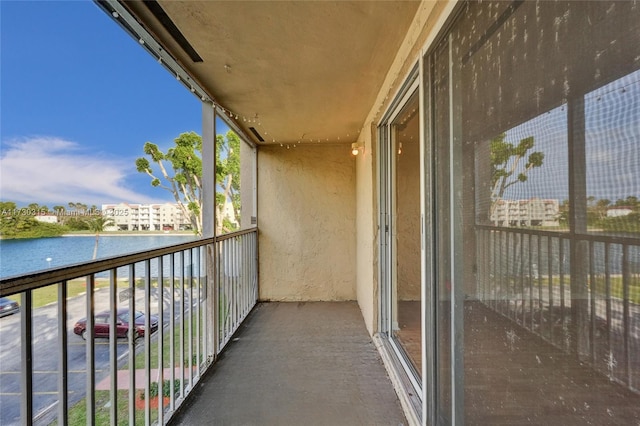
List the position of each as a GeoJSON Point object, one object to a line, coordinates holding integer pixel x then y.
{"type": "Point", "coordinates": [97, 225]}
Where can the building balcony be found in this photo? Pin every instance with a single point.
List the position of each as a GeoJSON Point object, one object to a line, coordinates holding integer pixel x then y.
{"type": "Point", "coordinates": [291, 359]}
{"type": "Point", "coordinates": [235, 360]}
{"type": "Point", "coordinates": [384, 296]}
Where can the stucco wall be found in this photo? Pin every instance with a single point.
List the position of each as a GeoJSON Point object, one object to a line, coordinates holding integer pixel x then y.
{"type": "Point", "coordinates": [367, 232]}
{"type": "Point", "coordinates": [307, 224]}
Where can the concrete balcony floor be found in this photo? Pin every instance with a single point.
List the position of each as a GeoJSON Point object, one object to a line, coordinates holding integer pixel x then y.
{"type": "Point", "coordinates": [297, 363]}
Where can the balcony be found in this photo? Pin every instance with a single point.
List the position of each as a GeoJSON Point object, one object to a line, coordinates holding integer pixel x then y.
{"type": "Point", "coordinates": [469, 315]}
{"type": "Point", "coordinates": [291, 359]}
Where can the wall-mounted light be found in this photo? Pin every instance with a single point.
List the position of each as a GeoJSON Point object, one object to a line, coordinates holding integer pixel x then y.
{"type": "Point", "coordinates": [399, 148]}
{"type": "Point", "coordinates": [355, 148]}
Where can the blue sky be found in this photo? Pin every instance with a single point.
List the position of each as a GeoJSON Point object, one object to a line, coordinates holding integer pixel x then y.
{"type": "Point", "coordinates": [79, 98]}
{"type": "Point", "coordinates": [611, 142]}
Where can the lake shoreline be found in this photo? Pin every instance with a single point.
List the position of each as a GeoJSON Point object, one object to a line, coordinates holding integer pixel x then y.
{"type": "Point", "coordinates": [133, 234]}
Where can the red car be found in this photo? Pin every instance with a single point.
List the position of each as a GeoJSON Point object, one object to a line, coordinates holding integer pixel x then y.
{"type": "Point", "coordinates": [101, 324]}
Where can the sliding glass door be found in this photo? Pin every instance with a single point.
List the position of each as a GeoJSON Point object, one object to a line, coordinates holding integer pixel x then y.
{"type": "Point", "coordinates": [400, 216]}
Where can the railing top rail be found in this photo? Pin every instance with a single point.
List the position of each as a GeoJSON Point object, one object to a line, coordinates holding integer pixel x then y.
{"type": "Point", "coordinates": [236, 234]}
{"type": "Point", "coordinates": [604, 238]}
{"type": "Point", "coordinates": [30, 281]}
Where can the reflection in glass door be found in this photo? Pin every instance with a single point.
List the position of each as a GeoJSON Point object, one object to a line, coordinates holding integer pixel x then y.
{"type": "Point", "coordinates": [404, 277]}
{"type": "Point", "coordinates": [405, 137]}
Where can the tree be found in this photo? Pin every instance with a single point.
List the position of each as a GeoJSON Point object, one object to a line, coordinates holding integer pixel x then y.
{"type": "Point", "coordinates": [228, 179]}
{"type": "Point", "coordinates": [98, 224]}
{"type": "Point", "coordinates": [506, 169]}
{"type": "Point", "coordinates": [563, 213]}
{"type": "Point", "coordinates": [602, 205]}
{"type": "Point", "coordinates": [18, 222]}
{"type": "Point", "coordinates": [631, 202]}
{"type": "Point", "coordinates": [186, 185]}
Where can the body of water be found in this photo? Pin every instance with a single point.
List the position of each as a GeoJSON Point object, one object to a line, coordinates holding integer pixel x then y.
{"type": "Point", "coordinates": [29, 255]}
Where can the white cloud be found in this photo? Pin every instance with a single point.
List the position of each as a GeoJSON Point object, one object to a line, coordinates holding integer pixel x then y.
{"type": "Point", "coordinates": [50, 170]}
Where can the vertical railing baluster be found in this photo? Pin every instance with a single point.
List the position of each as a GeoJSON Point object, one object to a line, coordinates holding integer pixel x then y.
{"type": "Point", "coordinates": [245, 260]}
{"type": "Point", "coordinates": [147, 341]}
{"type": "Point", "coordinates": [240, 273]}
{"type": "Point", "coordinates": [607, 289]}
{"type": "Point", "coordinates": [245, 276]}
{"type": "Point", "coordinates": [183, 293]}
{"type": "Point", "coordinates": [521, 276]}
{"type": "Point", "coordinates": [219, 296]}
{"type": "Point", "coordinates": [231, 296]}
{"type": "Point", "coordinates": [512, 303]}
{"type": "Point", "coordinates": [217, 303]}
{"type": "Point", "coordinates": [113, 347]}
{"type": "Point", "coordinates": [26, 351]}
{"type": "Point", "coordinates": [246, 256]}
{"type": "Point", "coordinates": [501, 272]}
{"type": "Point", "coordinates": [237, 298]}
{"type": "Point", "coordinates": [90, 353]}
{"type": "Point", "coordinates": [160, 340]}
{"type": "Point", "coordinates": [199, 313]}
{"type": "Point", "coordinates": [172, 343]}
{"type": "Point", "coordinates": [493, 257]}
{"type": "Point", "coordinates": [550, 278]}
{"type": "Point", "coordinates": [225, 292]}
{"type": "Point", "coordinates": [496, 278]}
{"type": "Point", "coordinates": [539, 284]}
{"type": "Point", "coordinates": [228, 255]}
{"type": "Point", "coordinates": [234, 289]}
{"type": "Point", "coordinates": [131, 341]}
{"type": "Point", "coordinates": [562, 298]}
{"type": "Point", "coordinates": [207, 332]}
{"type": "Point", "coordinates": [253, 258]}
{"type": "Point", "coordinates": [530, 262]}
{"type": "Point", "coordinates": [63, 367]}
{"type": "Point", "coordinates": [228, 277]}
{"type": "Point", "coordinates": [190, 336]}
{"type": "Point", "coordinates": [593, 292]}
{"type": "Point", "coordinates": [626, 283]}
{"type": "Point", "coordinates": [241, 280]}
{"type": "Point", "coordinates": [214, 288]}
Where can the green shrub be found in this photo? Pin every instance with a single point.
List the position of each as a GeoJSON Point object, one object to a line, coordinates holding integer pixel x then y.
{"type": "Point", "coordinates": [166, 389]}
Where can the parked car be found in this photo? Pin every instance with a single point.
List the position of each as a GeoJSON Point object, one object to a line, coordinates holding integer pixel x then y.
{"type": "Point", "coordinates": [102, 321]}
{"type": "Point", "coordinates": [8, 307]}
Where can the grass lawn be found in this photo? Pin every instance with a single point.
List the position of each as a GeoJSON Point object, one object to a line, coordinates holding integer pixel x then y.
{"type": "Point", "coordinates": [78, 413]}
{"type": "Point", "coordinates": [615, 282]}
{"type": "Point", "coordinates": [49, 294]}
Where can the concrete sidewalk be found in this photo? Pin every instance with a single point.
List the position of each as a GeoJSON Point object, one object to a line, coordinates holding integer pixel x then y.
{"type": "Point", "coordinates": [296, 363]}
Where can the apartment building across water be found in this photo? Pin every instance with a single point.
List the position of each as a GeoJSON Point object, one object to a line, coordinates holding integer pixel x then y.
{"type": "Point", "coordinates": [532, 212]}
{"type": "Point", "coordinates": [146, 217]}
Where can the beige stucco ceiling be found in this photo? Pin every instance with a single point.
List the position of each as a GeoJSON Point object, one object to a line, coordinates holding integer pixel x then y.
{"type": "Point", "coordinates": [310, 70]}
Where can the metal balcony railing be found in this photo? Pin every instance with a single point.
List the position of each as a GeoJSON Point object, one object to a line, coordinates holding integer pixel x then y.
{"type": "Point", "coordinates": [191, 297]}
{"type": "Point", "coordinates": [591, 308]}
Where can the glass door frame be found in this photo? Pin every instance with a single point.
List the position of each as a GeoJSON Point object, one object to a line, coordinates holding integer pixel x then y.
{"type": "Point", "coordinates": [388, 250]}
